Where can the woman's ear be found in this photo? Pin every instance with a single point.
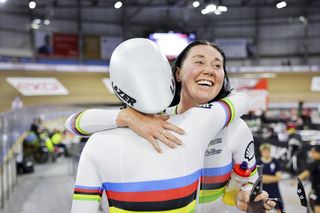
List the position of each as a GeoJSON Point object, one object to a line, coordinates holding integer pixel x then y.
{"type": "Point", "coordinates": [178, 75]}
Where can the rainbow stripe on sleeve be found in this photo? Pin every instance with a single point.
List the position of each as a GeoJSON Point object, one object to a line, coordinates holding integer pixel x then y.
{"type": "Point", "coordinates": [213, 182]}
{"type": "Point", "coordinates": [253, 170]}
{"type": "Point", "coordinates": [75, 125]}
{"type": "Point", "coordinates": [87, 193]}
{"type": "Point", "coordinates": [229, 110]}
{"type": "Point", "coordinates": [170, 195]}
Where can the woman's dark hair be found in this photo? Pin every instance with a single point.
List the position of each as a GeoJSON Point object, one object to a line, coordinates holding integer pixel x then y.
{"type": "Point", "coordinates": [225, 90]}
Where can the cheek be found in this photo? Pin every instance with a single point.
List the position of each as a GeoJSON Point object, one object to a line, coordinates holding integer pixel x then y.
{"type": "Point", "coordinates": [189, 74]}
{"type": "Point", "coordinates": [220, 78]}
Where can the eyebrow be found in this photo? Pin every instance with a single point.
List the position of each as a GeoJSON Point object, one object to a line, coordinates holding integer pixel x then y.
{"type": "Point", "coordinates": [202, 56]}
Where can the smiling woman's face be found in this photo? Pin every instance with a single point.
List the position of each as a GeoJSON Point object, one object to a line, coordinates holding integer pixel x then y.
{"type": "Point", "coordinates": [201, 75]}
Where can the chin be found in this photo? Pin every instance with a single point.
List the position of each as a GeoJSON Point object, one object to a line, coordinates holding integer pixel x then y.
{"type": "Point", "coordinates": [204, 100]}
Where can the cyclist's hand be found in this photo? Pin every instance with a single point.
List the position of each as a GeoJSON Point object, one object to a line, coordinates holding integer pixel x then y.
{"type": "Point", "coordinates": [150, 127]}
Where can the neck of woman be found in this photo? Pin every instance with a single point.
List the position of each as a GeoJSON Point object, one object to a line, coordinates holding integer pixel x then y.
{"type": "Point", "coordinates": [185, 104]}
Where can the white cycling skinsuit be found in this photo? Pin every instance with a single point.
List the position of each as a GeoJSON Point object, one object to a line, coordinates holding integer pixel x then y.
{"type": "Point", "coordinates": [228, 149]}
{"type": "Point", "coordinates": [136, 179]}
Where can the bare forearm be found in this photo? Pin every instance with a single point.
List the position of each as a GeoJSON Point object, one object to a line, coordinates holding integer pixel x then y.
{"type": "Point", "coordinates": [125, 118]}
{"type": "Point", "coordinates": [305, 174]}
{"type": "Point", "coordinates": [270, 179]}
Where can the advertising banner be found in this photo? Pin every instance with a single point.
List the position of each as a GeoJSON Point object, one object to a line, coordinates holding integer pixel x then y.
{"type": "Point", "coordinates": [65, 45]}
{"type": "Point", "coordinates": [257, 89]}
{"type": "Point", "coordinates": [37, 86]}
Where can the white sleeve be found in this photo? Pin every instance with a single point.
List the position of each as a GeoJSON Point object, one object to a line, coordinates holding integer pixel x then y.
{"type": "Point", "coordinates": [241, 145]}
{"type": "Point", "coordinates": [92, 120]}
{"type": "Point", "coordinates": [88, 187]}
{"type": "Point", "coordinates": [209, 119]}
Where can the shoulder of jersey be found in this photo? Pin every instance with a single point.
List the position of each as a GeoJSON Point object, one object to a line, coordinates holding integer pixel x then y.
{"type": "Point", "coordinates": [106, 133]}
{"type": "Point", "coordinates": [238, 124]}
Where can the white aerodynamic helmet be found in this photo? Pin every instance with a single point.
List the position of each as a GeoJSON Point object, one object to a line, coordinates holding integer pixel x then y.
{"type": "Point", "coordinates": [141, 76]}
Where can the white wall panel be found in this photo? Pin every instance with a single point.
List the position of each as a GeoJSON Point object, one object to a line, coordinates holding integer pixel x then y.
{"type": "Point", "coordinates": [101, 29]}
{"type": "Point", "coordinates": [14, 40]}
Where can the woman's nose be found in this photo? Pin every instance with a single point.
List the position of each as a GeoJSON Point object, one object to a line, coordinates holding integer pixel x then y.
{"type": "Point", "coordinates": [209, 70]}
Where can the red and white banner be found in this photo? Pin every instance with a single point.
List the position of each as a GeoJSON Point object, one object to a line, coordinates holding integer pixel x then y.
{"type": "Point", "coordinates": [37, 86]}
{"type": "Point", "coordinates": [65, 45]}
{"type": "Point", "coordinates": [257, 89]}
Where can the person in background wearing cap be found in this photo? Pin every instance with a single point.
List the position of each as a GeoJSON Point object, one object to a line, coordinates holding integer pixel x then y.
{"type": "Point", "coordinates": [271, 173]}
{"type": "Point", "coordinates": [116, 161]}
{"type": "Point", "coordinates": [201, 78]}
{"type": "Point", "coordinates": [313, 172]}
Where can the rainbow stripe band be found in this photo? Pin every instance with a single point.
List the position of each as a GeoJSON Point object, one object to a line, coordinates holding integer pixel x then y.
{"type": "Point", "coordinates": [77, 124]}
{"type": "Point", "coordinates": [232, 108]}
{"type": "Point", "coordinates": [213, 182]}
{"type": "Point", "coordinates": [155, 206]}
{"type": "Point", "coordinates": [254, 170]}
{"type": "Point", "coordinates": [74, 125]}
{"type": "Point", "coordinates": [229, 110]}
{"type": "Point", "coordinates": [190, 208]}
{"type": "Point", "coordinates": [207, 196]}
{"type": "Point", "coordinates": [226, 110]}
{"type": "Point", "coordinates": [153, 196]}
{"type": "Point", "coordinates": [87, 193]}
{"type": "Point", "coordinates": [169, 195]}
{"type": "Point", "coordinates": [153, 185]}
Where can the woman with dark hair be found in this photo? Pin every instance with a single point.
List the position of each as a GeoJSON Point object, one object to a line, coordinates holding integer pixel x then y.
{"type": "Point", "coordinates": [225, 89]}
{"type": "Point", "coordinates": [200, 77]}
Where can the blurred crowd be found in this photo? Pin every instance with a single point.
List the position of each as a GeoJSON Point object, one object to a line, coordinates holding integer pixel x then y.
{"type": "Point", "coordinates": [287, 145]}
{"type": "Point", "coordinates": [42, 144]}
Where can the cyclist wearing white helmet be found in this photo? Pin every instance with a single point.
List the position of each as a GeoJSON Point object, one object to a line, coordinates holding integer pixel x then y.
{"type": "Point", "coordinates": [118, 162]}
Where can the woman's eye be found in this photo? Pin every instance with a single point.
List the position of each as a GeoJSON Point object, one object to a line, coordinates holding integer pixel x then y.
{"type": "Point", "coordinates": [217, 65]}
{"type": "Point", "coordinates": [199, 62]}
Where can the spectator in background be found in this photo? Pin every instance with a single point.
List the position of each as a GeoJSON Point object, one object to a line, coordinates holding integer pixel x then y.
{"type": "Point", "coordinates": [46, 48]}
{"type": "Point", "coordinates": [35, 126]}
{"type": "Point", "coordinates": [16, 103]}
{"type": "Point", "coordinates": [271, 173]}
{"type": "Point", "coordinates": [313, 171]}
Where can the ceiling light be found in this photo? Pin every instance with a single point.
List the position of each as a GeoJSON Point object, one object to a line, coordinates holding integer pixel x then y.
{"type": "Point", "coordinates": [37, 21]}
{"type": "Point", "coordinates": [3, 1]}
{"type": "Point", "coordinates": [222, 8]}
{"type": "Point", "coordinates": [196, 4]}
{"type": "Point", "coordinates": [118, 4]}
{"type": "Point", "coordinates": [203, 11]}
{"type": "Point", "coordinates": [217, 12]}
{"type": "Point", "coordinates": [211, 8]}
{"type": "Point", "coordinates": [32, 4]}
{"type": "Point", "coordinates": [35, 26]}
{"type": "Point", "coordinates": [281, 4]}
{"type": "Point", "coordinates": [46, 21]}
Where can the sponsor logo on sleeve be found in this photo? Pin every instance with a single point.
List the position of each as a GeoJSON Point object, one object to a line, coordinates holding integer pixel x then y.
{"type": "Point", "coordinates": [213, 151]}
{"type": "Point", "coordinates": [249, 153]}
{"type": "Point", "coordinates": [205, 106]}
